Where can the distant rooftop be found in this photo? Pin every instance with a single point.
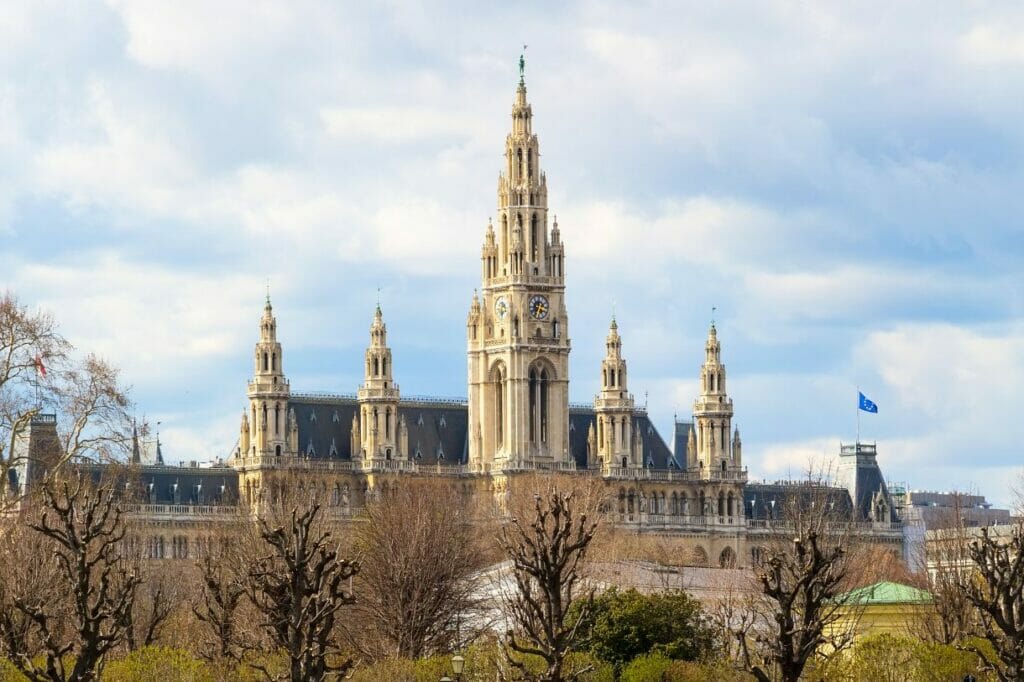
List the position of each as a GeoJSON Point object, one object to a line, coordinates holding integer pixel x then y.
{"type": "Point", "coordinates": [887, 593]}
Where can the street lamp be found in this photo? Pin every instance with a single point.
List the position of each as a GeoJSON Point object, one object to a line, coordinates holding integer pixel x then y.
{"type": "Point", "coordinates": [457, 664]}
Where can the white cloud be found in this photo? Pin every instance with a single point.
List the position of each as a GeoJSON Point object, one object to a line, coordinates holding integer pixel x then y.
{"type": "Point", "coordinates": [158, 325]}
{"type": "Point", "coordinates": [397, 124]}
{"type": "Point", "coordinates": [202, 37]}
{"type": "Point", "coordinates": [992, 45]}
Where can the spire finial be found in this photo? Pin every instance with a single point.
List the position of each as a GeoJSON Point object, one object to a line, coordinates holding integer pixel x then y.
{"type": "Point", "coordinates": [522, 66]}
{"type": "Point", "coordinates": [268, 291]}
{"type": "Point", "coordinates": [378, 300]}
{"type": "Point", "coordinates": [713, 309]}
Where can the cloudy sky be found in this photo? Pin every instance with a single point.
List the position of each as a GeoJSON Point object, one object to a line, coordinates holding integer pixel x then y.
{"type": "Point", "coordinates": [844, 183]}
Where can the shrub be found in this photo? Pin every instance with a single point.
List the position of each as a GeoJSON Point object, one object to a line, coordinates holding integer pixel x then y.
{"type": "Point", "coordinates": [158, 664]}
{"type": "Point", "coordinates": [624, 625]}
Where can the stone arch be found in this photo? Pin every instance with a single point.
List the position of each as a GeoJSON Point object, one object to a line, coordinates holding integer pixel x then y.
{"type": "Point", "coordinates": [700, 556]}
{"type": "Point", "coordinates": [540, 374]}
{"type": "Point", "coordinates": [498, 376]}
{"type": "Point", "coordinates": [727, 559]}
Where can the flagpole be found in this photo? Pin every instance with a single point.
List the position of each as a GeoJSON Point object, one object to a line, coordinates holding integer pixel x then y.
{"type": "Point", "coordinates": [857, 446]}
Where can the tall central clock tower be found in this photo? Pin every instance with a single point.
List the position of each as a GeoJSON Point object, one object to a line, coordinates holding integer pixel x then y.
{"type": "Point", "coordinates": [518, 325]}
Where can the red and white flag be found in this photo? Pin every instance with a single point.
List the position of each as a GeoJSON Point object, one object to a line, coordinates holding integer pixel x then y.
{"type": "Point", "coordinates": [40, 367]}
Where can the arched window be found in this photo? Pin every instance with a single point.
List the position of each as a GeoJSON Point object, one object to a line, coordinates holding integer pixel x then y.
{"type": "Point", "coordinates": [277, 418]}
{"type": "Point", "coordinates": [264, 362]}
{"type": "Point", "coordinates": [534, 245]}
{"type": "Point", "coordinates": [277, 450]}
{"type": "Point", "coordinates": [533, 388]}
{"type": "Point", "coordinates": [721, 504]}
{"type": "Point", "coordinates": [544, 406]}
{"type": "Point", "coordinates": [383, 365]}
{"type": "Point", "coordinates": [529, 163]}
{"type": "Point", "coordinates": [499, 405]}
{"type": "Point", "coordinates": [727, 559]}
{"type": "Point", "coordinates": [387, 422]}
{"type": "Point", "coordinates": [273, 361]}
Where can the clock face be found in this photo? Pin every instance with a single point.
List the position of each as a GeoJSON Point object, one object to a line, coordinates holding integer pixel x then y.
{"type": "Point", "coordinates": [539, 307]}
{"type": "Point", "coordinates": [501, 308]}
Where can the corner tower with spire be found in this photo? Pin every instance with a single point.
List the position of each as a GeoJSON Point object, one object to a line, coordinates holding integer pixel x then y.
{"type": "Point", "coordinates": [518, 345]}
{"type": "Point", "coordinates": [717, 446]}
{"type": "Point", "coordinates": [377, 422]}
{"type": "Point", "coordinates": [265, 428]}
{"type": "Point", "coordinates": [614, 412]}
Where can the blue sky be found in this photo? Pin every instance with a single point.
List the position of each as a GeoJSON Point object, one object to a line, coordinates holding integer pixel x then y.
{"type": "Point", "coordinates": [842, 181]}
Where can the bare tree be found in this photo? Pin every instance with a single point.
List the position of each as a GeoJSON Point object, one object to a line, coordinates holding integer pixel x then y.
{"type": "Point", "coordinates": [27, 339]}
{"type": "Point", "coordinates": [73, 602]}
{"type": "Point", "coordinates": [38, 374]}
{"type": "Point", "coordinates": [298, 586]}
{"type": "Point", "coordinates": [547, 553]}
{"type": "Point", "coordinates": [419, 549]}
{"type": "Point", "coordinates": [995, 587]}
{"type": "Point", "coordinates": [219, 607]}
{"type": "Point", "coordinates": [801, 580]}
{"type": "Point", "coordinates": [953, 619]}
{"type": "Point", "coordinates": [156, 598]}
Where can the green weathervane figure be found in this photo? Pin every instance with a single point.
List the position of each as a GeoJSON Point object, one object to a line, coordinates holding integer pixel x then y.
{"type": "Point", "coordinates": [522, 66]}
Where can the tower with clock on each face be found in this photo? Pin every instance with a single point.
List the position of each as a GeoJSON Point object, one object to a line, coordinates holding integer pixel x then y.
{"type": "Point", "coordinates": [517, 328]}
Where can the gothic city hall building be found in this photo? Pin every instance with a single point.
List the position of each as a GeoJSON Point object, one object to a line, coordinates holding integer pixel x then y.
{"type": "Point", "coordinates": [517, 421]}
{"type": "Point", "coordinates": [517, 417]}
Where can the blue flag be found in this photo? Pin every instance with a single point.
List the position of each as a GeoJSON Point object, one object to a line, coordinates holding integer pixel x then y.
{"type": "Point", "coordinates": [866, 404]}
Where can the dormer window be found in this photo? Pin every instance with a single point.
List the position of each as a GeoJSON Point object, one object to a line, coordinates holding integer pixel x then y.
{"type": "Point", "coordinates": [310, 451]}
{"type": "Point", "coordinates": [419, 420]}
{"type": "Point", "coordinates": [442, 424]}
{"type": "Point", "coordinates": [312, 415]}
{"type": "Point", "coordinates": [418, 455]}
{"type": "Point", "coordinates": [334, 447]}
{"type": "Point", "coordinates": [335, 418]}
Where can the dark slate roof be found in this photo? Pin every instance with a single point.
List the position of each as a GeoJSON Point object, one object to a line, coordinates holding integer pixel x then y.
{"type": "Point", "coordinates": [787, 493]}
{"type": "Point", "coordinates": [325, 427]}
{"type": "Point", "coordinates": [682, 441]}
{"type": "Point", "coordinates": [869, 481]}
{"type": "Point", "coordinates": [437, 429]}
{"type": "Point", "coordinates": [195, 485]}
{"type": "Point", "coordinates": [656, 453]}
{"type": "Point", "coordinates": [441, 426]}
{"type": "Point", "coordinates": [156, 484]}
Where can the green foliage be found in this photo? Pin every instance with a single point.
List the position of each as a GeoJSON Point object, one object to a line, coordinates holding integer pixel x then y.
{"type": "Point", "coordinates": [8, 673]}
{"type": "Point", "coordinates": [484, 661]}
{"type": "Point", "coordinates": [157, 664]}
{"type": "Point", "coordinates": [659, 668]}
{"type": "Point", "coordinates": [891, 658]}
{"type": "Point", "coordinates": [625, 625]}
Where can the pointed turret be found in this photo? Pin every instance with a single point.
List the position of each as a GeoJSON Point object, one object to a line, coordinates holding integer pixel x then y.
{"type": "Point", "coordinates": [378, 398]}
{"type": "Point", "coordinates": [268, 392]}
{"type": "Point", "coordinates": [136, 450]}
{"type": "Point", "coordinates": [614, 407]}
{"type": "Point", "coordinates": [712, 413]}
